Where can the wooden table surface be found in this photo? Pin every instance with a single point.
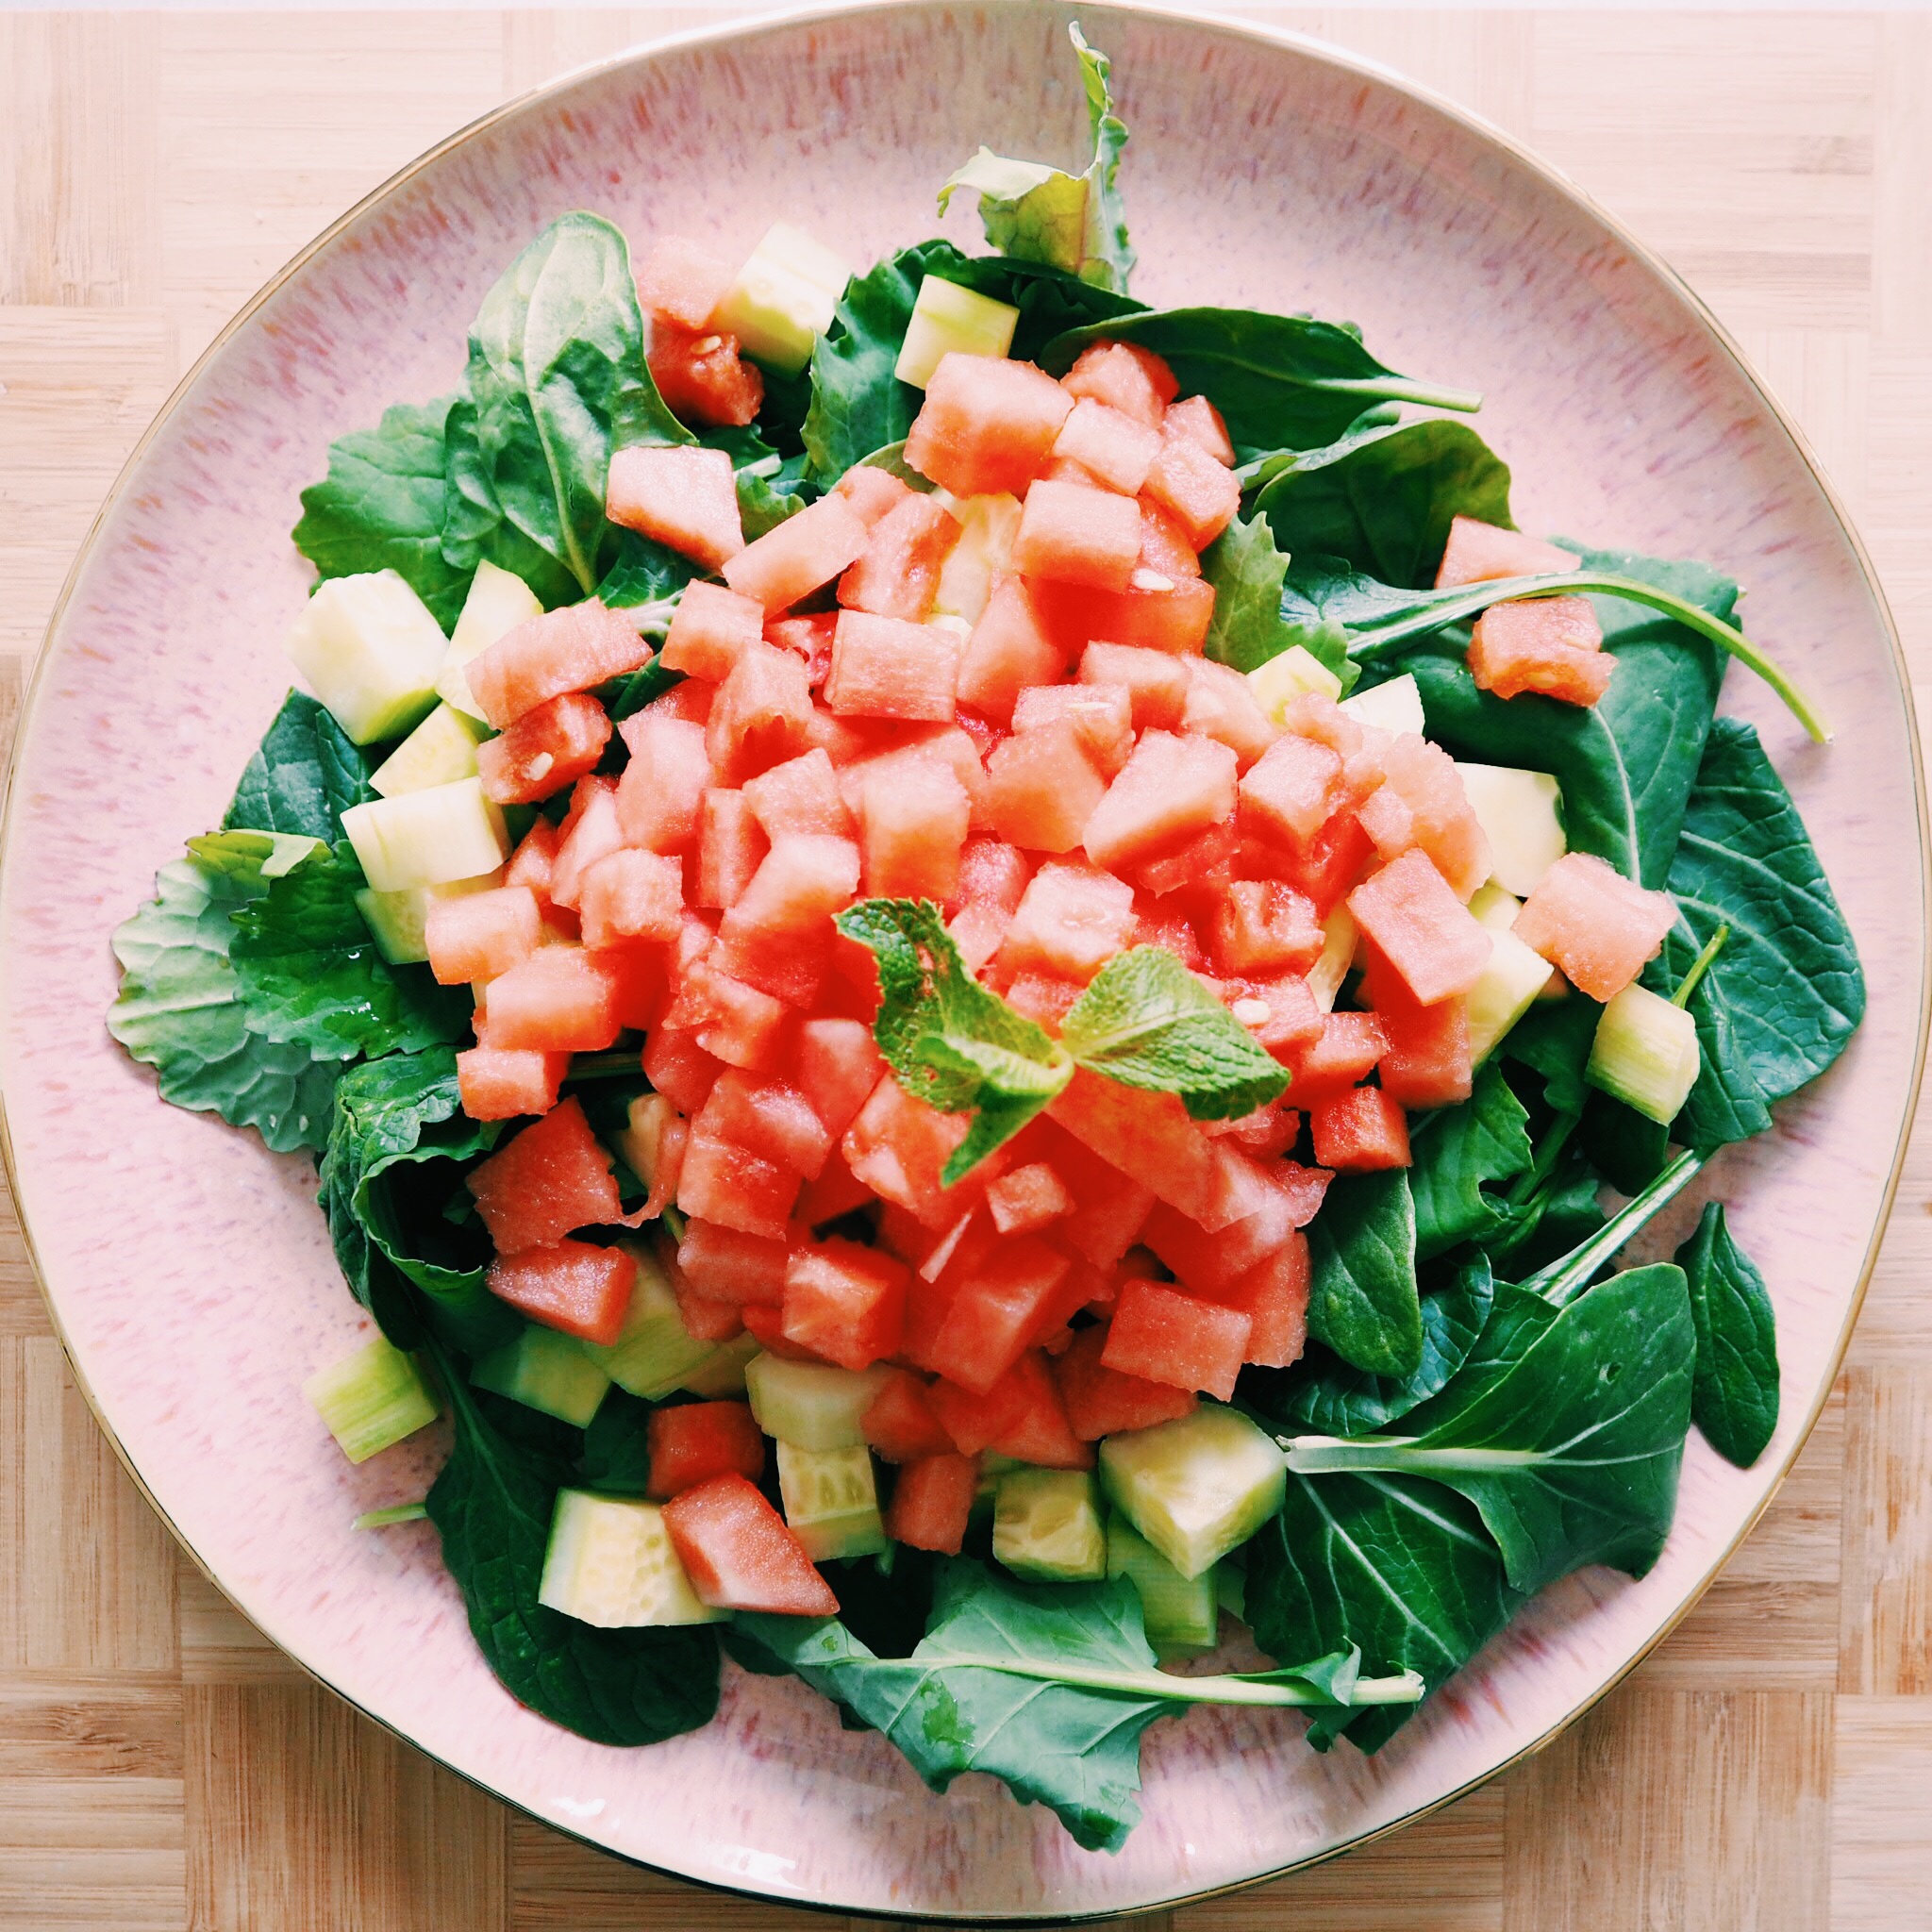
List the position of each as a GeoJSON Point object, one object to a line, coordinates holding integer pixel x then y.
{"type": "Point", "coordinates": [161, 1766]}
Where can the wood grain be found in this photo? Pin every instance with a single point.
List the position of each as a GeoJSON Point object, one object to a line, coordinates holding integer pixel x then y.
{"type": "Point", "coordinates": [163, 1766]}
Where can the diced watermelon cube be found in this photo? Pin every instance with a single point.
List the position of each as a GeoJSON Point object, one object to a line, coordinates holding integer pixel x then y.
{"type": "Point", "coordinates": [1199, 491]}
{"type": "Point", "coordinates": [731, 845]}
{"type": "Point", "coordinates": [1432, 812]}
{"type": "Point", "coordinates": [1274, 1296]}
{"type": "Point", "coordinates": [977, 1419]}
{"type": "Point", "coordinates": [799, 795]}
{"type": "Point", "coordinates": [1270, 1131]}
{"type": "Point", "coordinates": [703, 378]}
{"type": "Point", "coordinates": [1291, 792]}
{"type": "Point", "coordinates": [740, 1553]}
{"type": "Point", "coordinates": [845, 1302]}
{"type": "Point", "coordinates": [1331, 863]}
{"type": "Point", "coordinates": [932, 1503]}
{"type": "Point", "coordinates": [1198, 417]}
{"type": "Point", "coordinates": [762, 714]}
{"type": "Point", "coordinates": [1358, 1131]}
{"type": "Point", "coordinates": [1427, 934]}
{"type": "Point", "coordinates": [1202, 868]}
{"type": "Point", "coordinates": [837, 1066]}
{"type": "Point", "coordinates": [728, 1183]}
{"type": "Point", "coordinates": [479, 935]}
{"type": "Point", "coordinates": [725, 1264]}
{"type": "Point", "coordinates": [1026, 1198]}
{"type": "Point", "coordinates": [1346, 1051]}
{"type": "Point", "coordinates": [742, 1025]}
{"type": "Point", "coordinates": [1011, 649]}
{"type": "Point", "coordinates": [592, 828]}
{"type": "Point", "coordinates": [1264, 927]}
{"type": "Point", "coordinates": [1162, 1335]}
{"type": "Point", "coordinates": [885, 668]}
{"type": "Point", "coordinates": [898, 571]}
{"type": "Point", "coordinates": [1169, 612]}
{"type": "Point", "coordinates": [1478, 553]}
{"type": "Point", "coordinates": [1171, 790]}
{"type": "Point", "coordinates": [1222, 706]}
{"type": "Point", "coordinates": [1040, 1434]}
{"type": "Point", "coordinates": [693, 1442]}
{"type": "Point", "coordinates": [1293, 1021]}
{"type": "Point", "coordinates": [1071, 534]}
{"type": "Point", "coordinates": [1042, 788]}
{"type": "Point", "coordinates": [1102, 714]}
{"type": "Point", "coordinates": [534, 862]}
{"type": "Point", "coordinates": [897, 1146]}
{"type": "Point", "coordinates": [572, 1286]}
{"type": "Point", "coordinates": [913, 825]}
{"type": "Point", "coordinates": [497, 1085]}
{"type": "Point", "coordinates": [1125, 378]}
{"type": "Point", "coordinates": [1551, 645]}
{"type": "Point", "coordinates": [1110, 444]}
{"type": "Point", "coordinates": [632, 895]}
{"type": "Point", "coordinates": [986, 425]}
{"type": "Point", "coordinates": [1427, 1061]}
{"type": "Point", "coordinates": [709, 629]}
{"type": "Point", "coordinates": [1109, 1208]}
{"type": "Point", "coordinates": [1044, 998]}
{"type": "Point", "coordinates": [1598, 926]}
{"type": "Point", "coordinates": [871, 491]}
{"type": "Point", "coordinates": [679, 1068]}
{"type": "Point", "coordinates": [1070, 920]}
{"type": "Point", "coordinates": [792, 559]}
{"type": "Point", "coordinates": [658, 794]}
{"type": "Point", "coordinates": [769, 1117]}
{"type": "Point", "coordinates": [544, 657]}
{"type": "Point", "coordinates": [682, 281]}
{"type": "Point", "coordinates": [1100, 1401]}
{"type": "Point", "coordinates": [1164, 923]}
{"type": "Point", "coordinates": [992, 873]}
{"type": "Point", "coordinates": [1155, 683]}
{"type": "Point", "coordinates": [1149, 1137]}
{"type": "Point", "coordinates": [704, 1319]}
{"type": "Point", "coordinates": [544, 751]}
{"type": "Point", "coordinates": [900, 1424]}
{"type": "Point", "coordinates": [1164, 546]}
{"type": "Point", "coordinates": [836, 1193]}
{"type": "Point", "coordinates": [777, 936]}
{"type": "Point", "coordinates": [552, 1177]}
{"type": "Point", "coordinates": [684, 497]}
{"type": "Point", "coordinates": [561, 999]}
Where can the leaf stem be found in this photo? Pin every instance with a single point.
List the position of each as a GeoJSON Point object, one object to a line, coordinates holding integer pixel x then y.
{"type": "Point", "coordinates": [1337, 1455]}
{"type": "Point", "coordinates": [602, 1066]}
{"type": "Point", "coordinates": [382, 1519]}
{"type": "Point", "coordinates": [1564, 1279]}
{"type": "Point", "coordinates": [1260, 1687]}
{"type": "Point", "coordinates": [1404, 389]}
{"type": "Point", "coordinates": [1700, 966]}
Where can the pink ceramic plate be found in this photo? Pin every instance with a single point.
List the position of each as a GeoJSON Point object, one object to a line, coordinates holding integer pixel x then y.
{"type": "Point", "coordinates": [189, 1269]}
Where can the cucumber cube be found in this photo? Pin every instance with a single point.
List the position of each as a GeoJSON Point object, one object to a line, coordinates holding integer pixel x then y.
{"type": "Point", "coordinates": [1519, 813]}
{"type": "Point", "coordinates": [396, 921]}
{"type": "Point", "coordinates": [655, 1351]}
{"type": "Point", "coordinates": [947, 319]}
{"type": "Point", "coordinates": [1046, 1524]}
{"type": "Point", "coordinates": [1511, 978]}
{"type": "Point", "coordinates": [983, 550]}
{"type": "Point", "coordinates": [1492, 908]}
{"type": "Point", "coordinates": [1288, 675]}
{"type": "Point", "coordinates": [782, 300]}
{"type": "Point", "coordinates": [810, 1404]}
{"type": "Point", "coordinates": [1339, 941]}
{"type": "Point", "coordinates": [722, 1372]}
{"type": "Point", "coordinates": [499, 600]}
{"type": "Point", "coordinates": [637, 1141]}
{"type": "Point", "coordinates": [1394, 707]}
{"type": "Point", "coordinates": [547, 1371]}
{"type": "Point", "coordinates": [1181, 1613]}
{"type": "Point", "coordinates": [427, 838]}
{"type": "Point", "coordinates": [611, 1562]}
{"type": "Point", "coordinates": [370, 1399]}
{"type": "Point", "coordinates": [1645, 1053]}
{"type": "Point", "coordinates": [439, 751]}
{"type": "Point", "coordinates": [1197, 1487]}
{"type": "Point", "coordinates": [831, 1501]}
{"type": "Point", "coordinates": [371, 649]}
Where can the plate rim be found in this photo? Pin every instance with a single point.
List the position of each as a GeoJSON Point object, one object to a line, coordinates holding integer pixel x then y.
{"type": "Point", "coordinates": [1322, 52]}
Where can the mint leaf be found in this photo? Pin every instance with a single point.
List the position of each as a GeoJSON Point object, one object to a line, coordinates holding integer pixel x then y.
{"type": "Point", "coordinates": [1147, 1022]}
{"type": "Point", "coordinates": [949, 1041]}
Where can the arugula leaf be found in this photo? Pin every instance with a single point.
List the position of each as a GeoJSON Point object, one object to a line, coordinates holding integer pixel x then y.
{"type": "Point", "coordinates": [180, 1010]}
{"type": "Point", "coordinates": [1147, 1022]}
{"type": "Point", "coordinates": [1251, 620]}
{"type": "Point", "coordinates": [381, 507]}
{"type": "Point", "coordinates": [1363, 1302]}
{"type": "Point", "coordinates": [1398, 1568]}
{"type": "Point", "coordinates": [1564, 1427]}
{"type": "Point", "coordinates": [948, 1040]}
{"type": "Point", "coordinates": [1077, 222]}
{"type": "Point", "coordinates": [1459, 1152]}
{"type": "Point", "coordinates": [557, 381]}
{"type": "Point", "coordinates": [1383, 500]}
{"type": "Point", "coordinates": [303, 775]}
{"type": "Point", "coordinates": [1780, 1001]}
{"type": "Point", "coordinates": [1046, 1688]}
{"type": "Point", "coordinates": [491, 1506]}
{"type": "Point", "coordinates": [1734, 1392]}
{"type": "Point", "coordinates": [1280, 381]}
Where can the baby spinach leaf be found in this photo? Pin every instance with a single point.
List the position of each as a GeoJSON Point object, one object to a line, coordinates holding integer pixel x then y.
{"type": "Point", "coordinates": [381, 507]}
{"type": "Point", "coordinates": [1046, 1688]}
{"type": "Point", "coordinates": [180, 1010]}
{"type": "Point", "coordinates": [303, 775]}
{"type": "Point", "coordinates": [1780, 1001]}
{"type": "Point", "coordinates": [491, 1506]}
{"type": "Point", "coordinates": [1255, 617]}
{"type": "Point", "coordinates": [557, 381]}
{"type": "Point", "coordinates": [1362, 1300]}
{"type": "Point", "coordinates": [1627, 1148]}
{"type": "Point", "coordinates": [1565, 1431]}
{"type": "Point", "coordinates": [1553, 1038]}
{"type": "Point", "coordinates": [1566, 1276]}
{"type": "Point", "coordinates": [1395, 1567]}
{"type": "Point", "coordinates": [1551, 1219]}
{"type": "Point", "coordinates": [1280, 381]}
{"type": "Point", "coordinates": [1076, 222]}
{"type": "Point", "coordinates": [1383, 501]}
{"type": "Point", "coordinates": [645, 578]}
{"type": "Point", "coordinates": [1460, 1152]}
{"type": "Point", "coordinates": [1147, 1022]}
{"type": "Point", "coordinates": [1734, 1393]}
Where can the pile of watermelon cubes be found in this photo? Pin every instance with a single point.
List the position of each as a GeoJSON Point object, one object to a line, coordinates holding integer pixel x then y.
{"type": "Point", "coordinates": [1066, 777]}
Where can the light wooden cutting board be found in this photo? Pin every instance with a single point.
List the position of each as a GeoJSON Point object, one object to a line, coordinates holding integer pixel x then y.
{"type": "Point", "coordinates": [1769, 1770]}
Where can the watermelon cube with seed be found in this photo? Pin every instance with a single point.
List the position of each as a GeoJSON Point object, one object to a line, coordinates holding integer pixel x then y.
{"type": "Point", "coordinates": [561, 651]}
{"type": "Point", "coordinates": [546, 751]}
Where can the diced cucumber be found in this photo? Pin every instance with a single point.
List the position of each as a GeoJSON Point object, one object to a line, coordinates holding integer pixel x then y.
{"type": "Point", "coordinates": [1288, 675]}
{"type": "Point", "coordinates": [1518, 814]}
{"type": "Point", "coordinates": [1494, 909]}
{"type": "Point", "coordinates": [781, 301]}
{"type": "Point", "coordinates": [722, 1372]}
{"type": "Point", "coordinates": [427, 838]}
{"type": "Point", "coordinates": [946, 318]}
{"type": "Point", "coordinates": [546, 1370]}
{"type": "Point", "coordinates": [1394, 707]}
{"type": "Point", "coordinates": [370, 1399]}
{"type": "Point", "coordinates": [810, 1404]}
{"type": "Point", "coordinates": [1046, 1524]}
{"type": "Point", "coordinates": [1645, 1053]}
{"type": "Point", "coordinates": [499, 600]}
{"type": "Point", "coordinates": [1181, 1613]}
{"type": "Point", "coordinates": [642, 1135]}
{"type": "Point", "coordinates": [396, 921]}
{"type": "Point", "coordinates": [987, 525]}
{"type": "Point", "coordinates": [439, 751]}
{"type": "Point", "coordinates": [371, 649]}
{"type": "Point", "coordinates": [1197, 1487]}
{"type": "Point", "coordinates": [655, 1351]}
{"type": "Point", "coordinates": [611, 1562]}
{"type": "Point", "coordinates": [831, 1501]}
{"type": "Point", "coordinates": [1511, 978]}
{"type": "Point", "coordinates": [1339, 941]}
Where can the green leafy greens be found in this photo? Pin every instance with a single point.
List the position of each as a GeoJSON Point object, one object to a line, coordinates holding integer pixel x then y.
{"type": "Point", "coordinates": [1362, 1299]}
{"type": "Point", "coordinates": [1734, 1393]}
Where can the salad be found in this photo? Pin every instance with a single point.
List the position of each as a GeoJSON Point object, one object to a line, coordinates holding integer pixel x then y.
{"type": "Point", "coordinates": [985, 980]}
